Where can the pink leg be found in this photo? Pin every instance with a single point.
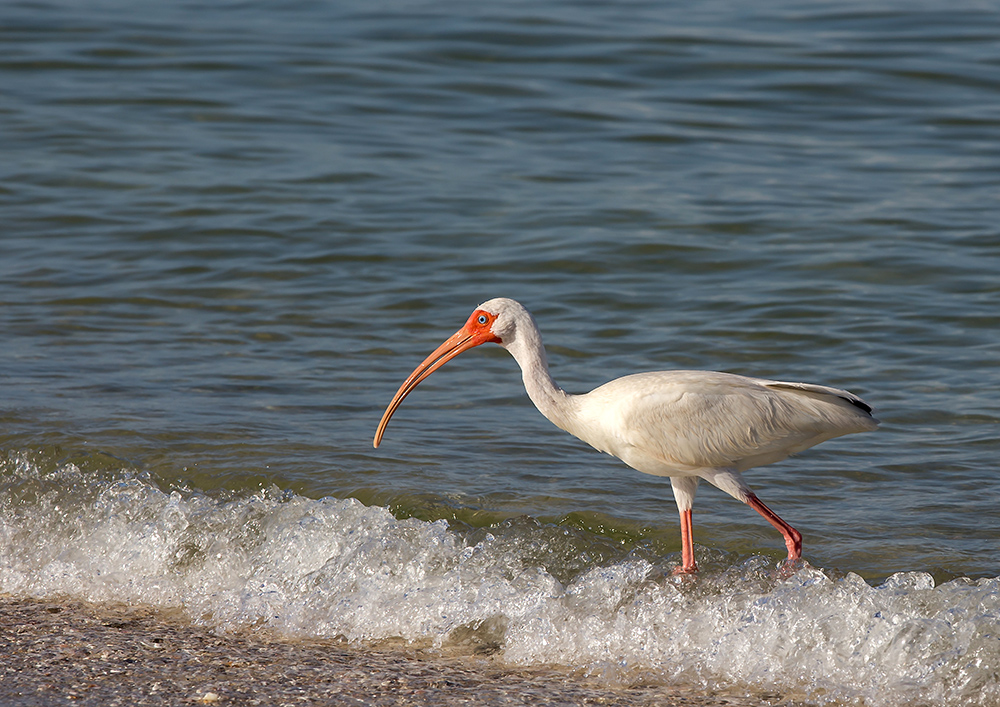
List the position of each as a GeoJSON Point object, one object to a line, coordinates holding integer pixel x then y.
{"type": "Point", "coordinates": [687, 544]}
{"type": "Point", "coordinates": [793, 538]}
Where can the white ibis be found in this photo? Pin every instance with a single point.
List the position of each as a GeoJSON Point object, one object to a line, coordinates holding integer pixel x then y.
{"type": "Point", "coordinates": [688, 425]}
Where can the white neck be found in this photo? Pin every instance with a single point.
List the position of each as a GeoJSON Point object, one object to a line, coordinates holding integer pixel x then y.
{"type": "Point", "coordinates": [551, 400]}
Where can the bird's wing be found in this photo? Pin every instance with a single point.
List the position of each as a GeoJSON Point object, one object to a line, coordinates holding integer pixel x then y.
{"type": "Point", "coordinates": [821, 391]}
{"type": "Point", "coordinates": [687, 420]}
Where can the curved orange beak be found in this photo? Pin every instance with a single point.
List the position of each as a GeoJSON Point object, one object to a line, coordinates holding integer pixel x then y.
{"type": "Point", "coordinates": [469, 336]}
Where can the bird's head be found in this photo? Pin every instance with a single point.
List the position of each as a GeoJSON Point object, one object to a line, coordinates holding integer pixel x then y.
{"type": "Point", "coordinates": [494, 321]}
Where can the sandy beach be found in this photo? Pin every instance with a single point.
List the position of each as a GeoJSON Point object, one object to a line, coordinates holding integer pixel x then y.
{"type": "Point", "coordinates": [71, 652]}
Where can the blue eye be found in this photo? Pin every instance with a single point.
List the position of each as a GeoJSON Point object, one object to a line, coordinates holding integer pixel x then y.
{"type": "Point", "coordinates": [482, 319]}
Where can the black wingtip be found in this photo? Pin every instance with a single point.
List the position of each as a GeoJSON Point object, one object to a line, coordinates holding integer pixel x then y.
{"type": "Point", "coordinates": [858, 403]}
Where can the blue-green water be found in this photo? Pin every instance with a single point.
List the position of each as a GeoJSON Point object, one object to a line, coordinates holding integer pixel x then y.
{"type": "Point", "coordinates": [229, 233]}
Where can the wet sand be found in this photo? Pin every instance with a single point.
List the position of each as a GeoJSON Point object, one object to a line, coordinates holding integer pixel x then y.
{"type": "Point", "coordinates": [70, 652]}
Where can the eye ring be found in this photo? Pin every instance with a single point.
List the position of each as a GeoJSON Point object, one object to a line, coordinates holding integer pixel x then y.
{"type": "Point", "coordinates": [482, 319]}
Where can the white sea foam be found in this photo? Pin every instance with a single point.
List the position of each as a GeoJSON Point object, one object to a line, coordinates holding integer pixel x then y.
{"type": "Point", "coordinates": [332, 567]}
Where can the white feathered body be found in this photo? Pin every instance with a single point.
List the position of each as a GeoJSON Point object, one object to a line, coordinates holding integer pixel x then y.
{"type": "Point", "coordinates": [678, 423]}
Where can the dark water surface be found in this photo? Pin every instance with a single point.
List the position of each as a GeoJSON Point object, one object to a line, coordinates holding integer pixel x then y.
{"type": "Point", "coordinates": [229, 232]}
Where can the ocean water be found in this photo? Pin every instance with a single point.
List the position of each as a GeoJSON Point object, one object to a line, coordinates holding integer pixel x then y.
{"type": "Point", "coordinates": [230, 232]}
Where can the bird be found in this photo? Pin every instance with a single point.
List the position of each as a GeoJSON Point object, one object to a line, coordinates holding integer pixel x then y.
{"type": "Point", "coordinates": [687, 425]}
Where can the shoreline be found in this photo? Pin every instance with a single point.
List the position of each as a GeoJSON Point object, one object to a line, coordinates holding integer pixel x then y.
{"type": "Point", "coordinates": [66, 650]}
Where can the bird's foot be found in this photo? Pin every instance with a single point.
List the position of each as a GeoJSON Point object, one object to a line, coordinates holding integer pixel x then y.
{"type": "Point", "coordinates": [790, 566]}
{"type": "Point", "coordinates": [682, 570]}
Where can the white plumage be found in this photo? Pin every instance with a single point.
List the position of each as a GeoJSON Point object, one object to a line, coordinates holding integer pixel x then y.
{"type": "Point", "coordinates": [687, 425]}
